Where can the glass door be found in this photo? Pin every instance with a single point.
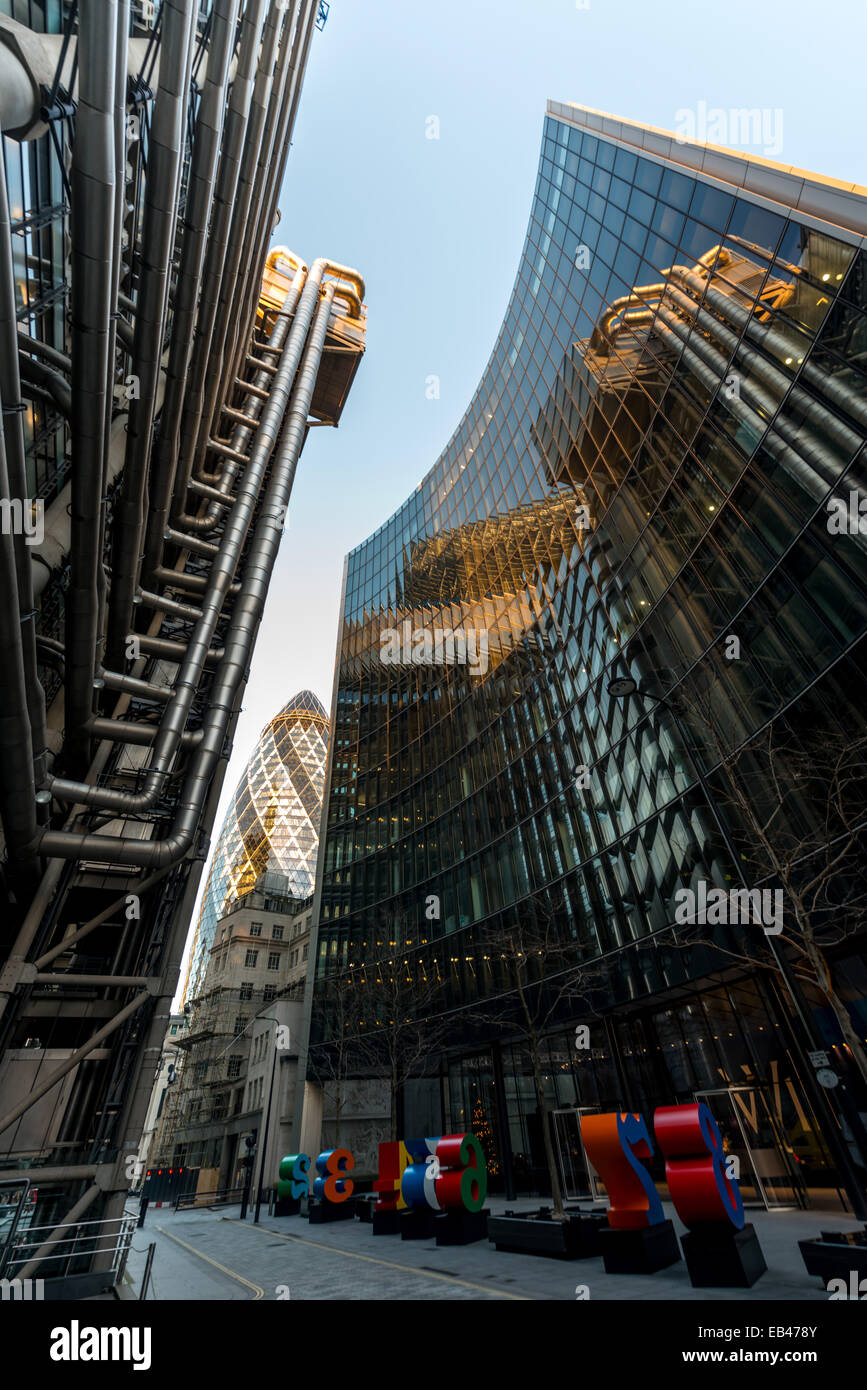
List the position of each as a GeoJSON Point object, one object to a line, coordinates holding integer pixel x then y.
{"type": "Point", "coordinates": [577, 1178]}
{"type": "Point", "coordinates": [764, 1169]}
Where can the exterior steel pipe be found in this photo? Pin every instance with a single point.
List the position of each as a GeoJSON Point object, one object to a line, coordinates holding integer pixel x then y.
{"type": "Point", "coordinates": [165, 153]}
{"type": "Point", "coordinates": [142, 735]}
{"type": "Point", "coordinates": [247, 295]}
{"type": "Point", "coordinates": [169, 650]}
{"type": "Point", "coordinates": [225, 499]}
{"type": "Point", "coordinates": [162, 604]}
{"type": "Point", "coordinates": [192, 583]}
{"type": "Point", "coordinates": [17, 780]}
{"type": "Point", "coordinates": [246, 213]}
{"type": "Point", "coordinates": [200, 194]}
{"type": "Point", "coordinates": [244, 626]}
{"type": "Point", "coordinates": [218, 235]}
{"type": "Point", "coordinates": [39, 374]}
{"type": "Point", "coordinates": [19, 601]}
{"type": "Point", "coordinates": [131, 685]}
{"type": "Point", "coordinates": [209, 519]}
{"type": "Point", "coordinates": [184, 542]}
{"type": "Point", "coordinates": [120, 154]}
{"type": "Point", "coordinates": [39, 349]}
{"type": "Point", "coordinates": [92, 217]}
{"type": "Point", "coordinates": [222, 574]}
{"type": "Point", "coordinates": [304, 31]}
{"type": "Point", "coordinates": [234, 454]}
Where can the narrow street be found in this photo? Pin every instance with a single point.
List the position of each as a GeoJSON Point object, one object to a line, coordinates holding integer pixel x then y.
{"type": "Point", "coordinates": [212, 1255]}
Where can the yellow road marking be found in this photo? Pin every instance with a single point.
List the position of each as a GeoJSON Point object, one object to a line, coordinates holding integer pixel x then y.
{"type": "Point", "coordinates": [388, 1264]}
{"type": "Point", "coordinates": [260, 1293]}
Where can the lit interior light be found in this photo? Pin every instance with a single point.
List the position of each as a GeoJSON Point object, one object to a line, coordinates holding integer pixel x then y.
{"type": "Point", "coordinates": [826, 276]}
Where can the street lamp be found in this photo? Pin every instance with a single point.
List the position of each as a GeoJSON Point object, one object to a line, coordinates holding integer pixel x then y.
{"type": "Point", "coordinates": [622, 688]}
{"type": "Point", "coordinates": [271, 1019]}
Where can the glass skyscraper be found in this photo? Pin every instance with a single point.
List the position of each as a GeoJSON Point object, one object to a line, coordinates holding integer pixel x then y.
{"type": "Point", "coordinates": [272, 825]}
{"type": "Point", "coordinates": [653, 482]}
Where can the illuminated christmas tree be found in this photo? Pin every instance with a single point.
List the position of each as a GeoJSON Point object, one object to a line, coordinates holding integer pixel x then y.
{"type": "Point", "coordinates": [482, 1131]}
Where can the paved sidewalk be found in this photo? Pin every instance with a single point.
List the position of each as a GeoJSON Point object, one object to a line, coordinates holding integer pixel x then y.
{"type": "Point", "coordinates": [212, 1255]}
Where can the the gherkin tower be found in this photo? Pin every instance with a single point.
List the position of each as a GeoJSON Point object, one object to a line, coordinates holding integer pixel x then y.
{"type": "Point", "coordinates": [272, 824]}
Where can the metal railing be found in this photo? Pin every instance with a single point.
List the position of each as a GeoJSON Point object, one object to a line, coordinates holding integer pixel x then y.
{"type": "Point", "coordinates": [82, 1242]}
{"type": "Point", "coordinates": [223, 1196]}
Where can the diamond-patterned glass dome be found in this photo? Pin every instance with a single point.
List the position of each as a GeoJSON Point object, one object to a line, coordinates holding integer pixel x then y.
{"type": "Point", "coordinates": [272, 824]}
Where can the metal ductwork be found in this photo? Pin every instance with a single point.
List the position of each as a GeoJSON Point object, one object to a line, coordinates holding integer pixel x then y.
{"type": "Point", "coordinates": [92, 216]}
{"type": "Point", "coordinates": [223, 567]}
{"type": "Point", "coordinates": [15, 488]}
{"type": "Point", "coordinates": [165, 152]}
{"type": "Point", "coordinates": [242, 634]}
{"type": "Point", "coordinates": [200, 195]}
{"type": "Point", "coordinates": [218, 236]}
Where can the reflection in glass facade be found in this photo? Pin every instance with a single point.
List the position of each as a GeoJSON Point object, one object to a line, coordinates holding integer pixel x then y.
{"type": "Point", "coordinates": [676, 393]}
{"type": "Point", "coordinates": [272, 824]}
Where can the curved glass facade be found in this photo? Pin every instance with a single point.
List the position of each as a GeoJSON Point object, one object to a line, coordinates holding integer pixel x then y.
{"type": "Point", "coordinates": [272, 824]}
{"type": "Point", "coordinates": [644, 472]}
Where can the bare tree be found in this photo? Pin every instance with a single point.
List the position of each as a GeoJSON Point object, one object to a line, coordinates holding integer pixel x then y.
{"type": "Point", "coordinates": [794, 804]}
{"type": "Point", "coordinates": [403, 996]}
{"type": "Point", "coordinates": [535, 969]}
{"type": "Point", "coordinates": [384, 1014]}
{"type": "Point", "coordinates": [334, 1059]}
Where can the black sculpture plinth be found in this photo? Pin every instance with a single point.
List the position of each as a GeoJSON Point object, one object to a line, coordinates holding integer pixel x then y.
{"type": "Point", "coordinates": [321, 1212]}
{"type": "Point", "coordinates": [461, 1227]}
{"type": "Point", "coordinates": [417, 1224]}
{"type": "Point", "coordinates": [639, 1252]}
{"type": "Point", "coordinates": [386, 1223]}
{"type": "Point", "coordinates": [719, 1257]}
{"type": "Point", "coordinates": [287, 1206]}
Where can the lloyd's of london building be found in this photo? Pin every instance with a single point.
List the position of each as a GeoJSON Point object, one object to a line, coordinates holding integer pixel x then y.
{"type": "Point", "coordinates": [644, 532]}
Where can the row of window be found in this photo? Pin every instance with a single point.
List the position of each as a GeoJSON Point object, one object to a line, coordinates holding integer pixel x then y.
{"type": "Point", "coordinates": [252, 957]}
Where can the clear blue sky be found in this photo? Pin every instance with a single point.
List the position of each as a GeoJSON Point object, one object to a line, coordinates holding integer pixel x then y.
{"type": "Point", "coordinates": [436, 226]}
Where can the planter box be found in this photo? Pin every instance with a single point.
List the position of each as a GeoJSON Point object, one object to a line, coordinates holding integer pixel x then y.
{"type": "Point", "coordinates": [533, 1234]}
{"type": "Point", "coordinates": [834, 1256]}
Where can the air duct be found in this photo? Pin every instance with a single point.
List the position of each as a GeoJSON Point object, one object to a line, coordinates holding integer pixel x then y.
{"type": "Point", "coordinates": [244, 627]}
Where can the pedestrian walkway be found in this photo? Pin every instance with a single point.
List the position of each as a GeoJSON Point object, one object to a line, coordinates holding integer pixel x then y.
{"type": "Point", "coordinates": [213, 1255]}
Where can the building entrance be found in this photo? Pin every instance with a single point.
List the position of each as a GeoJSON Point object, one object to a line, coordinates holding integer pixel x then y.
{"type": "Point", "coordinates": [766, 1170]}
